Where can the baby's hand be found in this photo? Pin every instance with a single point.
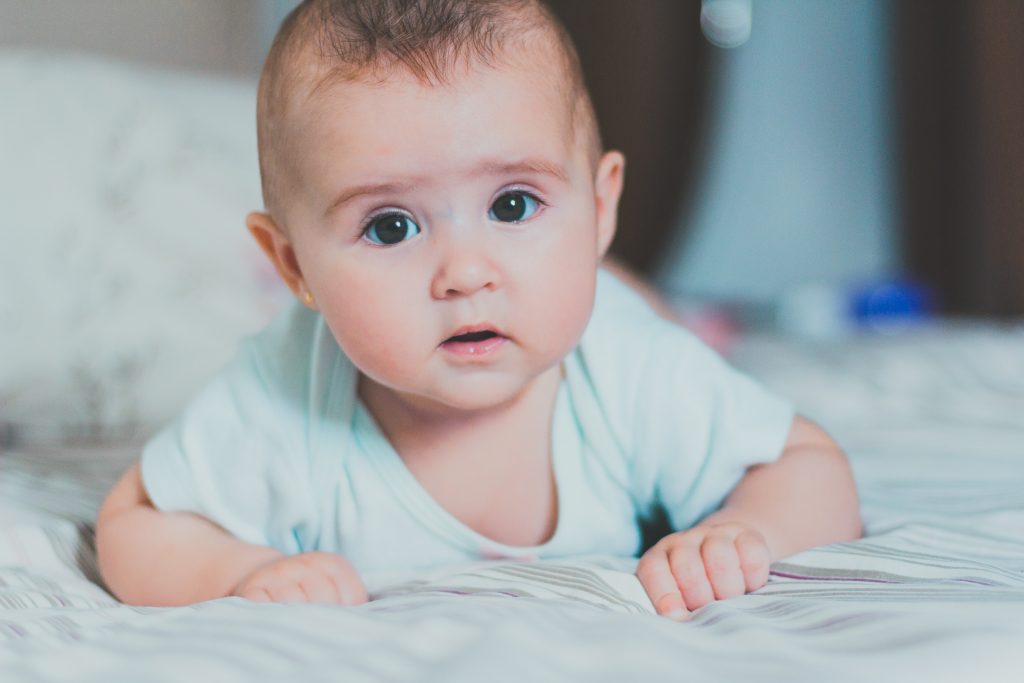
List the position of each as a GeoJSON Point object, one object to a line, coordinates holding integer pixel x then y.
{"type": "Point", "coordinates": [686, 570]}
{"type": "Point", "coordinates": [309, 577]}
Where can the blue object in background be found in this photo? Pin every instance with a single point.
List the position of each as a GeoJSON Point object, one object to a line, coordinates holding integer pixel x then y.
{"type": "Point", "coordinates": [888, 303]}
{"type": "Point", "coordinates": [823, 312]}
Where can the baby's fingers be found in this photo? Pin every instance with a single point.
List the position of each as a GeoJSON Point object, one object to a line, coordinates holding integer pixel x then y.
{"type": "Point", "coordinates": [255, 594]}
{"type": "Point", "coordinates": [321, 588]}
{"type": "Point", "coordinates": [347, 583]}
{"type": "Point", "coordinates": [286, 591]}
{"type": "Point", "coordinates": [350, 589]}
{"type": "Point", "coordinates": [688, 570]}
{"type": "Point", "coordinates": [722, 563]}
{"type": "Point", "coordinates": [655, 576]}
{"type": "Point", "coordinates": [755, 559]}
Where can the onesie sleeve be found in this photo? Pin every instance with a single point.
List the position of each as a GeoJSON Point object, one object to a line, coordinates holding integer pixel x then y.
{"type": "Point", "coordinates": [701, 424]}
{"type": "Point", "coordinates": [686, 424]}
{"type": "Point", "coordinates": [235, 454]}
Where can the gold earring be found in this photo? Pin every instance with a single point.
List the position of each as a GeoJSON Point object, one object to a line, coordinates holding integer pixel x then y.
{"type": "Point", "coordinates": [308, 297]}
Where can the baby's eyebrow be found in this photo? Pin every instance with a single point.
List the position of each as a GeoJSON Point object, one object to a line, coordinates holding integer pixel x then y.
{"type": "Point", "coordinates": [494, 167]}
{"type": "Point", "coordinates": [541, 166]}
{"type": "Point", "coordinates": [351, 193]}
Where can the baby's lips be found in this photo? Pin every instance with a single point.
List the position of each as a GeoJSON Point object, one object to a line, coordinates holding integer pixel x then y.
{"type": "Point", "coordinates": [477, 328]}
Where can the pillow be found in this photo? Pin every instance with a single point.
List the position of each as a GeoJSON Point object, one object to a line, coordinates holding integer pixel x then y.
{"type": "Point", "coordinates": [126, 274]}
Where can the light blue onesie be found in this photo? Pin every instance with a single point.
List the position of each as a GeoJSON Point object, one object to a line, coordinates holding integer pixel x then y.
{"type": "Point", "coordinates": [278, 450]}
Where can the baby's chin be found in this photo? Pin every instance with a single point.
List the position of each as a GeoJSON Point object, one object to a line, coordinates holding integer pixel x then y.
{"type": "Point", "coordinates": [480, 392]}
{"type": "Point", "coordinates": [454, 397]}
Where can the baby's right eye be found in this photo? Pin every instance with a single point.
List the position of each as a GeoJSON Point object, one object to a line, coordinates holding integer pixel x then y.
{"type": "Point", "coordinates": [391, 228]}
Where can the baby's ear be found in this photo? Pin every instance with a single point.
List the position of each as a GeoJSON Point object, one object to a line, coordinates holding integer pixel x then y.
{"type": "Point", "coordinates": [279, 250]}
{"type": "Point", "coordinates": [607, 190]}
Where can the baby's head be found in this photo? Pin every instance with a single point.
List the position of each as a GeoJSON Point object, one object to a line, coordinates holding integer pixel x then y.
{"type": "Point", "coordinates": [430, 166]}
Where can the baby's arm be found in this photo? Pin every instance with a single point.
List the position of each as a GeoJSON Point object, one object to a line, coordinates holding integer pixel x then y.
{"type": "Point", "coordinates": [149, 557]}
{"type": "Point", "coordinates": [806, 498]}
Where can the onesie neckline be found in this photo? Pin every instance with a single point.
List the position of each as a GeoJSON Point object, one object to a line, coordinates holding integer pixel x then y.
{"type": "Point", "coordinates": [427, 511]}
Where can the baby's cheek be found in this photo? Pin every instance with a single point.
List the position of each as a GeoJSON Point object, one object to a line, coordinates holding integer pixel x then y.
{"type": "Point", "coordinates": [565, 305]}
{"type": "Point", "coordinates": [380, 339]}
{"type": "Point", "coordinates": [387, 364]}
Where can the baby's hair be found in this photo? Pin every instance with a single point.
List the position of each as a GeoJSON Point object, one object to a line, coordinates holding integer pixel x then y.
{"type": "Point", "coordinates": [326, 41]}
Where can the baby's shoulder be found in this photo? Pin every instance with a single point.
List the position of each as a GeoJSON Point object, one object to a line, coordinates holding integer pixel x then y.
{"type": "Point", "coordinates": [624, 328]}
{"type": "Point", "coordinates": [293, 361]}
{"type": "Point", "coordinates": [637, 364]}
{"type": "Point", "coordinates": [288, 337]}
{"type": "Point", "coordinates": [288, 344]}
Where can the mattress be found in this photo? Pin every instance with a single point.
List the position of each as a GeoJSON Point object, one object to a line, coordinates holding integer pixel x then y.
{"type": "Point", "coordinates": [932, 418]}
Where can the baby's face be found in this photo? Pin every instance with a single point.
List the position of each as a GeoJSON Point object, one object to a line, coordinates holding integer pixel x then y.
{"type": "Point", "coordinates": [428, 211]}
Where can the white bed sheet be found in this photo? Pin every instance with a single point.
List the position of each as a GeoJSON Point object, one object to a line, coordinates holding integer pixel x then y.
{"type": "Point", "coordinates": [933, 420]}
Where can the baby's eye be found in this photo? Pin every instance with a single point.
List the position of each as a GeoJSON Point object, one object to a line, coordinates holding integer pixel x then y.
{"type": "Point", "coordinates": [391, 228]}
{"type": "Point", "coordinates": [513, 207]}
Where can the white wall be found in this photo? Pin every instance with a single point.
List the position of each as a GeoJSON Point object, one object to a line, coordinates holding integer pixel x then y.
{"type": "Point", "coordinates": [797, 189]}
{"type": "Point", "coordinates": [216, 35]}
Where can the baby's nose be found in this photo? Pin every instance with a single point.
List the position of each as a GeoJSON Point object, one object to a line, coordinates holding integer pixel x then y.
{"type": "Point", "coordinates": [464, 270]}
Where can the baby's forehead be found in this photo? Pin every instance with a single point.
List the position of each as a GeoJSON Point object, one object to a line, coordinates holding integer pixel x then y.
{"type": "Point", "coordinates": [312, 73]}
{"type": "Point", "coordinates": [326, 92]}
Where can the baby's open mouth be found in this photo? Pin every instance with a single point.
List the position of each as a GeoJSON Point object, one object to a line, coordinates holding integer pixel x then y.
{"type": "Point", "coordinates": [477, 344]}
{"type": "Point", "coordinates": [472, 336]}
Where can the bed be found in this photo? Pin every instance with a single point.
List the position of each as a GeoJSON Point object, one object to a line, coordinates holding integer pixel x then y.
{"type": "Point", "coordinates": [101, 343]}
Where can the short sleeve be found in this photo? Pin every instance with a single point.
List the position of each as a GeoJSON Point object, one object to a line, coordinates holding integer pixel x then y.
{"type": "Point", "coordinates": [701, 425]}
{"type": "Point", "coordinates": [685, 423]}
{"type": "Point", "coordinates": [236, 454]}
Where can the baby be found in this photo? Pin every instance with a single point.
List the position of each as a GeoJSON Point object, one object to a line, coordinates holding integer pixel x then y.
{"type": "Point", "coordinates": [459, 378]}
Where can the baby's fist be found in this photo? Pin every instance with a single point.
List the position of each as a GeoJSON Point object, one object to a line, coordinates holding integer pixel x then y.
{"type": "Point", "coordinates": [309, 577]}
{"type": "Point", "coordinates": [686, 570]}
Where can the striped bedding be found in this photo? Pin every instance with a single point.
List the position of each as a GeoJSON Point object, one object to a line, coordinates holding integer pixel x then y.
{"type": "Point", "coordinates": [932, 418]}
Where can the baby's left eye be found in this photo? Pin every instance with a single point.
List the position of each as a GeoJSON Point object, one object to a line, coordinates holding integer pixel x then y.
{"type": "Point", "coordinates": [513, 207]}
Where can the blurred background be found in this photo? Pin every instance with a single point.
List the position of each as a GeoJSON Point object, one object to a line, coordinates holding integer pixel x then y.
{"type": "Point", "coordinates": [790, 162]}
